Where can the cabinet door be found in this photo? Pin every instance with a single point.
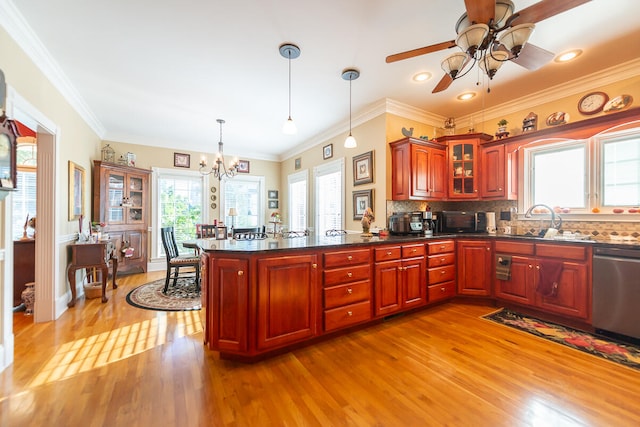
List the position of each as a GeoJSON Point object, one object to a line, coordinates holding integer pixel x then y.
{"type": "Point", "coordinates": [438, 174]}
{"type": "Point", "coordinates": [520, 288]}
{"type": "Point", "coordinates": [474, 267]}
{"type": "Point", "coordinates": [227, 304]}
{"type": "Point", "coordinates": [400, 172]}
{"type": "Point", "coordinates": [415, 282]}
{"type": "Point", "coordinates": [463, 183]}
{"type": "Point", "coordinates": [388, 293]}
{"type": "Point", "coordinates": [420, 158]}
{"type": "Point", "coordinates": [492, 161]}
{"type": "Point", "coordinates": [136, 190]}
{"type": "Point", "coordinates": [287, 300]}
{"type": "Point", "coordinates": [116, 197]}
{"type": "Point", "coordinates": [572, 298]}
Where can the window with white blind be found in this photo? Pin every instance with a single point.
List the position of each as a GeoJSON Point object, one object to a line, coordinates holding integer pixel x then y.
{"type": "Point", "coordinates": [24, 199]}
{"type": "Point", "coordinates": [298, 184]}
{"type": "Point", "coordinates": [180, 202]}
{"type": "Point", "coordinates": [246, 195]}
{"type": "Point", "coordinates": [329, 190]}
{"type": "Point", "coordinates": [621, 171]}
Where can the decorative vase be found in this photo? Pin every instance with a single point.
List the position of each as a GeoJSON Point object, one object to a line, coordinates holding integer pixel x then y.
{"type": "Point", "coordinates": [29, 298]}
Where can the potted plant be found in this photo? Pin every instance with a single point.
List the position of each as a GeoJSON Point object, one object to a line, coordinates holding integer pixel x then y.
{"type": "Point", "coordinates": [502, 125]}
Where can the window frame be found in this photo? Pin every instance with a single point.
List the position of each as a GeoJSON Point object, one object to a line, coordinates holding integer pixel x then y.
{"type": "Point", "coordinates": [296, 177]}
{"type": "Point", "coordinates": [224, 209]}
{"type": "Point", "coordinates": [337, 165]}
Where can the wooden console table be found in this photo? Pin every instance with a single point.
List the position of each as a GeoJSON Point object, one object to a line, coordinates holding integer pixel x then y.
{"type": "Point", "coordinates": [92, 255]}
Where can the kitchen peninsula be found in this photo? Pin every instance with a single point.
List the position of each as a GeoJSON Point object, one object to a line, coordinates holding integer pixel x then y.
{"type": "Point", "coordinates": [261, 297]}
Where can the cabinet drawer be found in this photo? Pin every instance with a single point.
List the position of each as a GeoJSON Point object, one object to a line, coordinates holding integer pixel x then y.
{"type": "Point", "coordinates": [346, 316]}
{"type": "Point", "coordinates": [561, 251]}
{"type": "Point", "coordinates": [347, 294]}
{"type": "Point", "coordinates": [387, 254]}
{"type": "Point", "coordinates": [410, 251]}
{"type": "Point", "coordinates": [441, 274]}
{"type": "Point", "coordinates": [338, 276]}
{"type": "Point", "coordinates": [440, 247]}
{"type": "Point", "coordinates": [344, 258]}
{"type": "Point", "coordinates": [441, 259]}
{"type": "Point", "coordinates": [442, 291]}
{"type": "Point", "coordinates": [514, 247]}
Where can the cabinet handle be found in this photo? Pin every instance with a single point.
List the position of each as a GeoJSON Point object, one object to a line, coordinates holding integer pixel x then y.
{"type": "Point", "coordinates": [240, 273]}
{"type": "Point", "coordinates": [349, 274]}
{"type": "Point", "coordinates": [499, 188]}
{"type": "Point", "coordinates": [443, 289]}
{"type": "Point", "coordinates": [538, 267]}
{"type": "Point", "coordinates": [488, 248]}
{"type": "Point", "coordinates": [349, 291]}
{"type": "Point", "coordinates": [349, 313]}
{"type": "Point", "coordinates": [389, 253]}
{"type": "Point", "coordinates": [414, 250]}
{"type": "Point", "coordinates": [349, 258]}
{"type": "Point", "coordinates": [442, 272]}
{"type": "Point", "coordinates": [314, 265]}
{"type": "Point", "coordinates": [441, 259]}
{"type": "Point", "coordinates": [442, 247]}
{"type": "Point", "coordinates": [530, 266]}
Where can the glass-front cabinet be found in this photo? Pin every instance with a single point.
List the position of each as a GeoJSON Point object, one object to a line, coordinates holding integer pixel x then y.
{"type": "Point", "coordinates": [463, 164]}
{"type": "Point", "coordinates": [120, 201]}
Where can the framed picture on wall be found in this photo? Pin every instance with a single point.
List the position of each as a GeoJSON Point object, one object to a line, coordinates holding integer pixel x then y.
{"type": "Point", "coordinates": [181, 160]}
{"type": "Point", "coordinates": [362, 200]}
{"type": "Point", "coordinates": [363, 168]}
{"type": "Point", "coordinates": [273, 194]}
{"type": "Point", "coordinates": [327, 151]}
{"type": "Point", "coordinates": [243, 166]}
{"type": "Point", "coordinates": [273, 204]}
{"type": "Point", "coordinates": [76, 191]}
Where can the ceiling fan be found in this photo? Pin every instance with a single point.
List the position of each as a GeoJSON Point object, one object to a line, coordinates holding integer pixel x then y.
{"type": "Point", "coordinates": [490, 33]}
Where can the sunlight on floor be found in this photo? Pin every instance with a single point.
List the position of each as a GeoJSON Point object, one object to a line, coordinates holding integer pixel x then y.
{"type": "Point", "coordinates": [99, 350]}
{"type": "Point", "coordinates": [541, 412]}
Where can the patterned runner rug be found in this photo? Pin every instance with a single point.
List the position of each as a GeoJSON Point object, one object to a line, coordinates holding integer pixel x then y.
{"type": "Point", "coordinates": [625, 354]}
{"type": "Point", "coordinates": [182, 297]}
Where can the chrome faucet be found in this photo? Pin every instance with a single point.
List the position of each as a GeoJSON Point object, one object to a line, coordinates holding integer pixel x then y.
{"type": "Point", "coordinates": [556, 220]}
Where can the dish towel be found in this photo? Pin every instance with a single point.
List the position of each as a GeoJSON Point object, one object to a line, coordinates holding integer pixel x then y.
{"type": "Point", "coordinates": [503, 267]}
{"type": "Point", "coordinates": [549, 277]}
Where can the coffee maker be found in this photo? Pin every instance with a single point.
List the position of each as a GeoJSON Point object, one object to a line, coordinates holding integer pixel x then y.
{"type": "Point", "coordinates": [428, 223]}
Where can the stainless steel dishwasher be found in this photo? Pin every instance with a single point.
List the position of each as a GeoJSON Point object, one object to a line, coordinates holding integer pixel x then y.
{"type": "Point", "coordinates": [616, 291]}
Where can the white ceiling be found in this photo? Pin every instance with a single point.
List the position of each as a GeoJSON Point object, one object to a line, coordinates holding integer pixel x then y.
{"type": "Point", "coordinates": [161, 72]}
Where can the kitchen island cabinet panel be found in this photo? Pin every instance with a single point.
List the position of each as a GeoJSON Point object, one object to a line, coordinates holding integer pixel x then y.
{"type": "Point", "coordinates": [229, 304]}
{"type": "Point", "coordinates": [388, 293]}
{"type": "Point", "coordinates": [347, 315]}
{"type": "Point", "coordinates": [287, 300]}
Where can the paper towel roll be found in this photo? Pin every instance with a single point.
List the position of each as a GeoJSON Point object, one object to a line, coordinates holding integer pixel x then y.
{"type": "Point", "coordinates": [491, 222]}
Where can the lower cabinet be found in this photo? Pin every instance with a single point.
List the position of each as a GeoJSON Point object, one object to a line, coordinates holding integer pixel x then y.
{"type": "Point", "coordinates": [441, 270]}
{"type": "Point", "coordinates": [474, 267]}
{"type": "Point", "coordinates": [571, 297]}
{"type": "Point", "coordinates": [400, 278]}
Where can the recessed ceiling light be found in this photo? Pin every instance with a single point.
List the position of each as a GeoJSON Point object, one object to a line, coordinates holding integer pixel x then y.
{"type": "Point", "coordinates": [466, 96]}
{"type": "Point", "coordinates": [421, 77]}
{"type": "Point", "coordinates": [568, 56]}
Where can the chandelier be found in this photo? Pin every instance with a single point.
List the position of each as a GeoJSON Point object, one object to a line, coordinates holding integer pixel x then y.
{"type": "Point", "coordinates": [219, 170]}
{"type": "Point", "coordinates": [488, 45]}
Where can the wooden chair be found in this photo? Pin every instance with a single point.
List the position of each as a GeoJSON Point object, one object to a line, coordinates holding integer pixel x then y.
{"type": "Point", "coordinates": [175, 261]}
{"type": "Point", "coordinates": [208, 231]}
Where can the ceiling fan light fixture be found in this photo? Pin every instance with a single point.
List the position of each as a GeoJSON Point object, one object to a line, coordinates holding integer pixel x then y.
{"type": "Point", "coordinates": [504, 10]}
{"type": "Point", "coordinates": [470, 39]}
{"type": "Point", "coordinates": [516, 37]}
{"type": "Point", "coordinates": [492, 61]}
{"type": "Point", "coordinates": [453, 63]}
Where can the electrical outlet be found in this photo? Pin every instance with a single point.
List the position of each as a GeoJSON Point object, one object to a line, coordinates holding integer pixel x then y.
{"type": "Point", "coordinates": [505, 215]}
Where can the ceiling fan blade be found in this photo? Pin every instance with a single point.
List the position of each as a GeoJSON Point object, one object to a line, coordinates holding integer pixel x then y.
{"type": "Point", "coordinates": [545, 9]}
{"type": "Point", "coordinates": [420, 51]}
{"type": "Point", "coordinates": [444, 83]}
{"type": "Point", "coordinates": [480, 11]}
{"type": "Point", "coordinates": [533, 57]}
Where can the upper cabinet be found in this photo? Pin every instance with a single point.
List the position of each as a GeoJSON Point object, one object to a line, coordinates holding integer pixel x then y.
{"type": "Point", "coordinates": [463, 165]}
{"type": "Point", "coordinates": [499, 167]}
{"type": "Point", "coordinates": [417, 170]}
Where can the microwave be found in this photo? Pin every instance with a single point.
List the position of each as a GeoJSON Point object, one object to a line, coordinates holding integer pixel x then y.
{"type": "Point", "coordinates": [461, 222]}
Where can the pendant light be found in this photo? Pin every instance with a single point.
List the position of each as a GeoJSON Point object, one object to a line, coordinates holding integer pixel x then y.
{"type": "Point", "coordinates": [350, 74]}
{"type": "Point", "coordinates": [289, 51]}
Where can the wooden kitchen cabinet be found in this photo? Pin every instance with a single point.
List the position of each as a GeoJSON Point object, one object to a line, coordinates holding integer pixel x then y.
{"type": "Point", "coordinates": [400, 280]}
{"type": "Point", "coordinates": [287, 300]}
{"type": "Point", "coordinates": [417, 170]}
{"type": "Point", "coordinates": [121, 202]}
{"type": "Point", "coordinates": [573, 297]}
{"type": "Point", "coordinates": [499, 172]}
{"type": "Point", "coordinates": [347, 292]}
{"type": "Point", "coordinates": [463, 171]}
{"type": "Point", "coordinates": [474, 267]}
{"type": "Point", "coordinates": [441, 270]}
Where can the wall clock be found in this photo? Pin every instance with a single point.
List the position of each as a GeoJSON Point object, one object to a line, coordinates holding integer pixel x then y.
{"type": "Point", "coordinates": [592, 103]}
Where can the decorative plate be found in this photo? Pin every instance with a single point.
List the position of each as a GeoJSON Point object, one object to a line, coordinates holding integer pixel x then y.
{"type": "Point", "coordinates": [618, 103]}
{"type": "Point", "coordinates": [558, 118]}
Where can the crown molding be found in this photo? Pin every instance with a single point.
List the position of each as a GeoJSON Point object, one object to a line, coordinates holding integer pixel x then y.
{"type": "Point", "coordinates": [17, 27]}
{"type": "Point", "coordinates": [604, 77]}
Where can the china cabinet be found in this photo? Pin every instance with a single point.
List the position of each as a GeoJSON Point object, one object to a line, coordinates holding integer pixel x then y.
{"type": "Point", "coordinates": [120, 202]}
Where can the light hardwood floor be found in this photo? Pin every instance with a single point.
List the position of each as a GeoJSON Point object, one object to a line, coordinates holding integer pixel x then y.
{"type": "Point", "coordinates": [115, 365]}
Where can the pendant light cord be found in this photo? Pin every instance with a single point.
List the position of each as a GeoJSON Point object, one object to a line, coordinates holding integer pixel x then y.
{"type": "Point", "coordinates": [289, 56]}
{"type": "Point", "coordinates": [350, 80]}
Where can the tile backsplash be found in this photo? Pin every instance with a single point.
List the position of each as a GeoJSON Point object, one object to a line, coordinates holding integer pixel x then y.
{"type": "Point", "coordinates": [597, 230]}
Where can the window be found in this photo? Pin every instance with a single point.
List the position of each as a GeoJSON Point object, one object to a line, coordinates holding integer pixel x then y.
{"type": "Point", "coordinates": [594, 175]}
{"type": "Point", "coordinates": [24, 199]}
{"type": "Point", "coordinates": [298, 200]}
{"type": "Point", "coordinates": [246, 195]}
{"type": "Point", "coordinates": [329, 190]}
{"type": "Point", "coordinates": [179, 202]}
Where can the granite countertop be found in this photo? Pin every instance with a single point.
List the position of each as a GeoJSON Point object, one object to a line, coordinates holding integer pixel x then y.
{"type": "Point", "coordinates": [310, 242]}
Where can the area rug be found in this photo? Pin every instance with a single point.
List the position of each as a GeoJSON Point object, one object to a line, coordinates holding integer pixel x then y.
{"type": "Point", "coordinates": [182, 297]}
{"type": "Point", "coordinates": [625, 354]}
